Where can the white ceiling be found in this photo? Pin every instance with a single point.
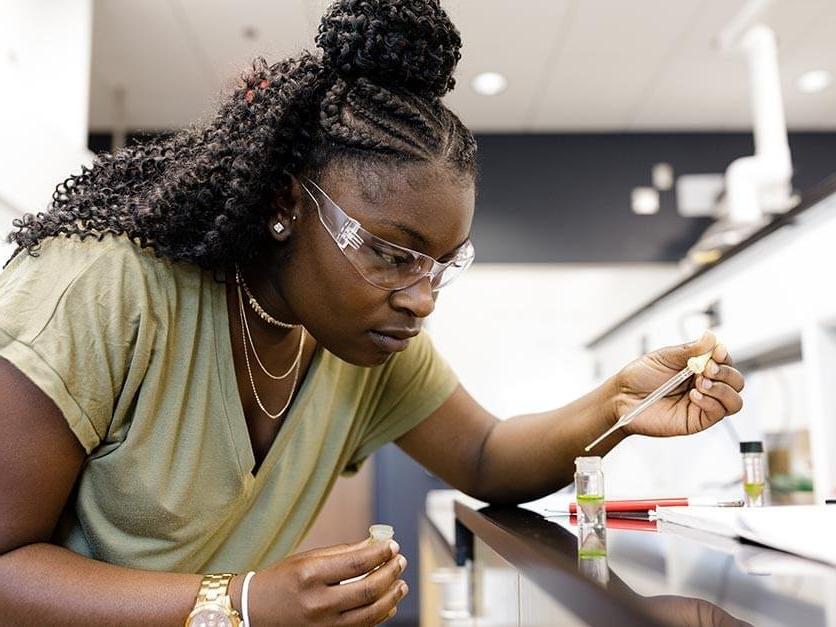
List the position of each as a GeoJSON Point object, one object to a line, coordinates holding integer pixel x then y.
{"type": "Point", "coordinates": [572, 65]}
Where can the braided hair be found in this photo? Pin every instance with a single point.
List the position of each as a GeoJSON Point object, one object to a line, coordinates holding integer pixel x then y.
{"type": "Point", "coordinates": [203, 195]}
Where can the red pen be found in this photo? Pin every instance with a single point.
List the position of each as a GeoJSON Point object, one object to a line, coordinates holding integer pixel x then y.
{"type": "Point", "coordinates": [643, 505]}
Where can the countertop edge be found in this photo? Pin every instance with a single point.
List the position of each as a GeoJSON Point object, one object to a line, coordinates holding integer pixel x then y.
{"type": "Point", "coordinates": [550, 569]}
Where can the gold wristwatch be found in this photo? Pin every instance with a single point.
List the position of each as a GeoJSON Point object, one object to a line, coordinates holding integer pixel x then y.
{"type": "Point", "coordinates": [213, 607]}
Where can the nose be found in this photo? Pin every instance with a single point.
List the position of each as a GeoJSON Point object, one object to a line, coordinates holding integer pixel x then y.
{"type": "Point", "coordinates": [418, 299]}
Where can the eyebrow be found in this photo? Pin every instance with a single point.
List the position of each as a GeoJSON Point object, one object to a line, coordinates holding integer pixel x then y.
{"type": "Point", "coordinates": [415, 235]}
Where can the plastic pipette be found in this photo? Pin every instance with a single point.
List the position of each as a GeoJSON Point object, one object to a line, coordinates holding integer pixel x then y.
{"type": "Point", "coordinates": [695, 366]}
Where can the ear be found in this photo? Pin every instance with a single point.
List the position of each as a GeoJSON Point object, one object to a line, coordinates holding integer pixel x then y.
{"type": "Point", "coordinates": [286, 207]}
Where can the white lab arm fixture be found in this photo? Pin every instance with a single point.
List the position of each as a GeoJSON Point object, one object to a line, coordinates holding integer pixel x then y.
{"type": "Point", "coordinates": [761, 183]}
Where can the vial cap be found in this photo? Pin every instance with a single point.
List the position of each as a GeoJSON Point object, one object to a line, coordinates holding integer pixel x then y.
{"type": "Point", "coordinates": [588, 464]}
{"type": "Point", "coordinates": [381, 532]}
{"type": "Point", "coordinates": [755, 446]}
{"type": "Point", "coordinates": [698, 364]}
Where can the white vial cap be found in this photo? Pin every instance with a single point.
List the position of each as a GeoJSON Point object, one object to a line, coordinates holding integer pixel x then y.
{"type": "Point", "coordinates": [698, 364]}
{"type": "Point", "coordinates": [379, 533]}
{"type": "Point", "coordinates": [588, 464]}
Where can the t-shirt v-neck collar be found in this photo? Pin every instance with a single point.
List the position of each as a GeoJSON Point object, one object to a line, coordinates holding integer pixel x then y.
{"type": "Point", "coordinates": [232, 397]}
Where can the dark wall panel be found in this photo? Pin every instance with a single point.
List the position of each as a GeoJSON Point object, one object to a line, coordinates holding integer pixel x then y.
{"type": "Point", "coordinates": [566, 198]}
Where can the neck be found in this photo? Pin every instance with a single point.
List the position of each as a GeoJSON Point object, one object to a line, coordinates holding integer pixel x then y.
{"type": "Point", "coordinates": [267, 293]}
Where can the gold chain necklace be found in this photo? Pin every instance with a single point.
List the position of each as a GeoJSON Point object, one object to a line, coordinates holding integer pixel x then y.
{"type": "Point", "coordinates": [239, 279]}
{"type": "Point", "coordinates": [261, 364]}
{"type": "Point", "coordinates": [245, 335]}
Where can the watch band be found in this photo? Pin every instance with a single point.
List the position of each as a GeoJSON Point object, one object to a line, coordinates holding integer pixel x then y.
{"type": "Point", "coordinates": [213, 604]}
{"type": "Point", "coordinates": [213, 587]}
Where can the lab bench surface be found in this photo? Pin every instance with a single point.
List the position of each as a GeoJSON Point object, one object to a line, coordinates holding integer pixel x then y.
{"type": "Point", "coordinates": [511, 566]}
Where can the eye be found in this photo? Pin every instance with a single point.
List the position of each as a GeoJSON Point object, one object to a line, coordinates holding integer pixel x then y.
{"type": "Point", "coordinates": [391, 256]}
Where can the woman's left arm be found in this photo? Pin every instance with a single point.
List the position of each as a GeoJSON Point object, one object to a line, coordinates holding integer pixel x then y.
{"type": "Point", "coordinates": [527, 457]}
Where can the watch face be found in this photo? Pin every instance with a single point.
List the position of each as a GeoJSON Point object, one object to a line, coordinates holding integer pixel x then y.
{"type": "Point", "coordinates": [209, 616]}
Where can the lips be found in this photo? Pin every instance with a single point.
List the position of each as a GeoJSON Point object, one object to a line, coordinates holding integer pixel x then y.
{"type": "Point", "coordinates": [401, 334]}
{"type": "Point", "coordinates": [393, 340]}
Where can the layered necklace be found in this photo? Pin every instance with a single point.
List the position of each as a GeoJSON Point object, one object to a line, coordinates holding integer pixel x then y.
{"type": "Point", "coordinates": [247, 339]}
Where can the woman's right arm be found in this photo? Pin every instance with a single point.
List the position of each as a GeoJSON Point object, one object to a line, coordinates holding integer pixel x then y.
{"type": "Point", "coordinates": [45, 584]}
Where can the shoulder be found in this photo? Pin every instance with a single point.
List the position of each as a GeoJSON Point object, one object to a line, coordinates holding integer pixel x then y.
{"type": "Point", "coordinates": [73, 256]}
{"type": "Point", "coordinates": [112, 264]}
{"type": "Point", "coordinates": [109, 280]}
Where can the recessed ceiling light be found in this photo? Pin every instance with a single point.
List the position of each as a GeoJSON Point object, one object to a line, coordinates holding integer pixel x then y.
{"type": "Point", "coordinates": [645, 201]}
{"type": "Point", "coordinates": [814, 81]}
{"type": "Point", "coordinates": [489, 83]}
{"type": "Point", "coordinates": [662, 176]}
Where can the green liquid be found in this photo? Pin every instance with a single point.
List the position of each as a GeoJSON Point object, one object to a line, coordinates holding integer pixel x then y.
{"type": "Point", "coordinates": [590, 499]}
{"type": "Point", "coordinates": [586, 554]}
{"type": "Point", "coordinates": [753, 490]}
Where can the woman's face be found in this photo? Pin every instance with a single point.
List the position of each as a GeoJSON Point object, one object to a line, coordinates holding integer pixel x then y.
{"type": "Point", "coordinates": [416, 206]}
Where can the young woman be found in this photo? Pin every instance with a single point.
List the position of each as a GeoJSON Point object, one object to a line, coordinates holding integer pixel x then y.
{"type": "Point", "coordinates": [202, 332]}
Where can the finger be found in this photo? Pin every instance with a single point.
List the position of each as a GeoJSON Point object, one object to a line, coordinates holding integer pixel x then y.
{"type": "Point", "coordinates": [726, 374]}
{"type": "Point", "coordinates": [368, 590]}
{"type": "Point", "coordinates": [382, 609]}
{"type": "Point", "coordinates": [720, 354]}
{"type": "Point", "coordinates": [330, 550]}
{"type": "Point", "coordinates": [341, 548]}
{"type": "Point", "coordinates": [677, 356]}
{"type": "Point", "coordinates": [703, 411]}
{"type": "Point", "coordinates": [707, 342]}
{"type": "Point", "coordinates": [722, 392]}
{"type": "Point", "coordinates": [357, 560]}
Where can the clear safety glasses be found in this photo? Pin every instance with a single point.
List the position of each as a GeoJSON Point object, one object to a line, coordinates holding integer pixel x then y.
{"type": "Point", "coordinates": [381, 263]}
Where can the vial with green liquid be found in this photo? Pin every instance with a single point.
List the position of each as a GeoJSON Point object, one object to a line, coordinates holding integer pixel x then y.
{"type": "Point", "coordinates": [589, 485]}
{"type": "Point", "coordinates": [592, 553]}
{"type": "Point", "coordinates": [754, 479]}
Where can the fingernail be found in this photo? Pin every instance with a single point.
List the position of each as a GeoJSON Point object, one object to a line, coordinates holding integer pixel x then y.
{"type": "Point", "coordinates": [706, 383]}
{"type": "Point", "coordinates": [394, 547]}
{"type": "Point", "coordinates": [403, 589]}
{"type": "Point", "coordinates": [712, 368]}
{"type": "Point", "coordinates": [722, 352]}
{"type": "Point", "coordinates": [402, 562]}
{"type": "Point", "coordinates": [391, 613]}
{"type": "Point", "coordinates": [696, 395]}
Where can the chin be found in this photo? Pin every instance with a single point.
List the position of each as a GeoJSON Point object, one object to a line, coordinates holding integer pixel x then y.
{"type": "Point", "coordinates": [370, 360]}
{"type": "Point", "coordinates": [363, 358]}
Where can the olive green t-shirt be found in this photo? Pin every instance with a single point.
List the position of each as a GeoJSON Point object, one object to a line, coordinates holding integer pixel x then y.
{"type": "Point", "coordinates": [135, 352]}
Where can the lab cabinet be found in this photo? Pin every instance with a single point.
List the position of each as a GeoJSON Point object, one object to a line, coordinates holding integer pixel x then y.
{"type": "Point", "coordinates": [497, 594]}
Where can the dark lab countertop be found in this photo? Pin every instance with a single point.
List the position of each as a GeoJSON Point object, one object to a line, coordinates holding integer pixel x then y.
{"type": "Point", "coordinates": [653, 577]}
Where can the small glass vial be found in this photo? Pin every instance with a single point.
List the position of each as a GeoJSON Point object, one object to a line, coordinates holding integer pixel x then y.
{"type": "Point", "coordinates": [589, 484]}
{"type": "Point", "coordinates": [754, 480]}
{"type": "Point", "coordinates": [592, 553]}
{"type": "Point", "coordinates": [377, 533]}
{"type": "Point", "coordinates": [381, 533]}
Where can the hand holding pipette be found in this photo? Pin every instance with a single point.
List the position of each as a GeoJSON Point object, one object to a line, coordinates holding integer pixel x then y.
{"type": "Point", "coordinates": [695, 366]}
{"type": "Point", "coordinates": [655, 377]}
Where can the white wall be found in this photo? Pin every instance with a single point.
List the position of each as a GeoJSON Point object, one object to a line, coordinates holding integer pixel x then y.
{"type": "Point", "coordinates": [44, 86]}
{"type": "Point", "coordinates": [515, 333]}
